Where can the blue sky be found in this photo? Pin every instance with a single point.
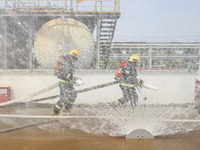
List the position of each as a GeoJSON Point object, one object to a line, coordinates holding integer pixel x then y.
{"type": "Point", "coordinates": [159, 20]}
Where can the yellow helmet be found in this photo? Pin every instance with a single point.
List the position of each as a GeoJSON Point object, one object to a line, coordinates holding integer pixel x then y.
{"type": "Point", "coordinates": [134, 58]}
{"type": "Point", "coordinates": [76, 53]}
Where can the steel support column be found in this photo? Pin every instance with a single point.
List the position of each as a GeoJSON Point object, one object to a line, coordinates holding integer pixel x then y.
{"type": "Point", "coordinates": [98, 43]}
{"type": "Point", "coordinates": [5, 47]}
{"type": "Point", "coordinates": [30, 47]}
{"type": "Point", "coordinates": [199, 62]}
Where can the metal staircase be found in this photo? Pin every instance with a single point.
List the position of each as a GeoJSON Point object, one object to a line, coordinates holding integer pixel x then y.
{"type": "Point", "coordinates": [107, 30]}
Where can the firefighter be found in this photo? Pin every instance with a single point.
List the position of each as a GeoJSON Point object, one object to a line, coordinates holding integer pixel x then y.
{"type": "Point", "coordinates": [67, 82]}
{"type": "Point", "coordinates": [128, 82]}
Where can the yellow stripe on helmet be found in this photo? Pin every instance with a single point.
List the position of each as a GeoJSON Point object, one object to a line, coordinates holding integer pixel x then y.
{"type": "Point", "coordinates": [134, 58]}
{"type": "Point", "coordinates": [76, 53]}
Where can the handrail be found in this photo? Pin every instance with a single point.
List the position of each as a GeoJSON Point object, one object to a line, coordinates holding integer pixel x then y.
{"type": "Point", "coordinates": [103, 6]}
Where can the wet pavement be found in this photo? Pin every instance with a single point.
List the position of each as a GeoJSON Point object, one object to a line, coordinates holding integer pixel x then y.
{"type": "Point", "coordinates": [83, 134]}
{"type": "Point", "coordinates": [34, 138]}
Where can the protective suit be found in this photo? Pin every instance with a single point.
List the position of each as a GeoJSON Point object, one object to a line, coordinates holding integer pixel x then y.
{"type": "Point", "coordinates": [67, 82]}
{"type": "Point", "coordinates": [128, 82]}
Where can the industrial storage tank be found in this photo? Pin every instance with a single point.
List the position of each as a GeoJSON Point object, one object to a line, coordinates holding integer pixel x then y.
{"type": "Point", "coordinates": [58, 37]}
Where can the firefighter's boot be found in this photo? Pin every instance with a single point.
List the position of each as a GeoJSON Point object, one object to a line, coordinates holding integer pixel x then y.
{"type": "Point", "coordinates": [56, 111]}
{"type": "Point", "coordinates": [56, 114]}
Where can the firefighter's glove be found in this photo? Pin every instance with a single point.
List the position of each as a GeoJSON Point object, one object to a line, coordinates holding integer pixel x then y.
{"type": "Point", "coordinates": [78, 82]}
{"type": "Point", "coordinates": [116, 78]}
{"type": "Point", "coordinates": [140, 83]}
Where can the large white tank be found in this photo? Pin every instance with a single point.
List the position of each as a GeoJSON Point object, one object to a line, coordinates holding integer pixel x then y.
{"type": "Point", "coordinates": [58, 37]}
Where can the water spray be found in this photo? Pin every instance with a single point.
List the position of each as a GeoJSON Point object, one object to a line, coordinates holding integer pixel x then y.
{"type": "Point", "coordinates": [147, 86]}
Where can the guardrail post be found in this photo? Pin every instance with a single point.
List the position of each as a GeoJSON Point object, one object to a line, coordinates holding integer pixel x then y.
{"type": "Point", "coordinates": [150, 57]}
